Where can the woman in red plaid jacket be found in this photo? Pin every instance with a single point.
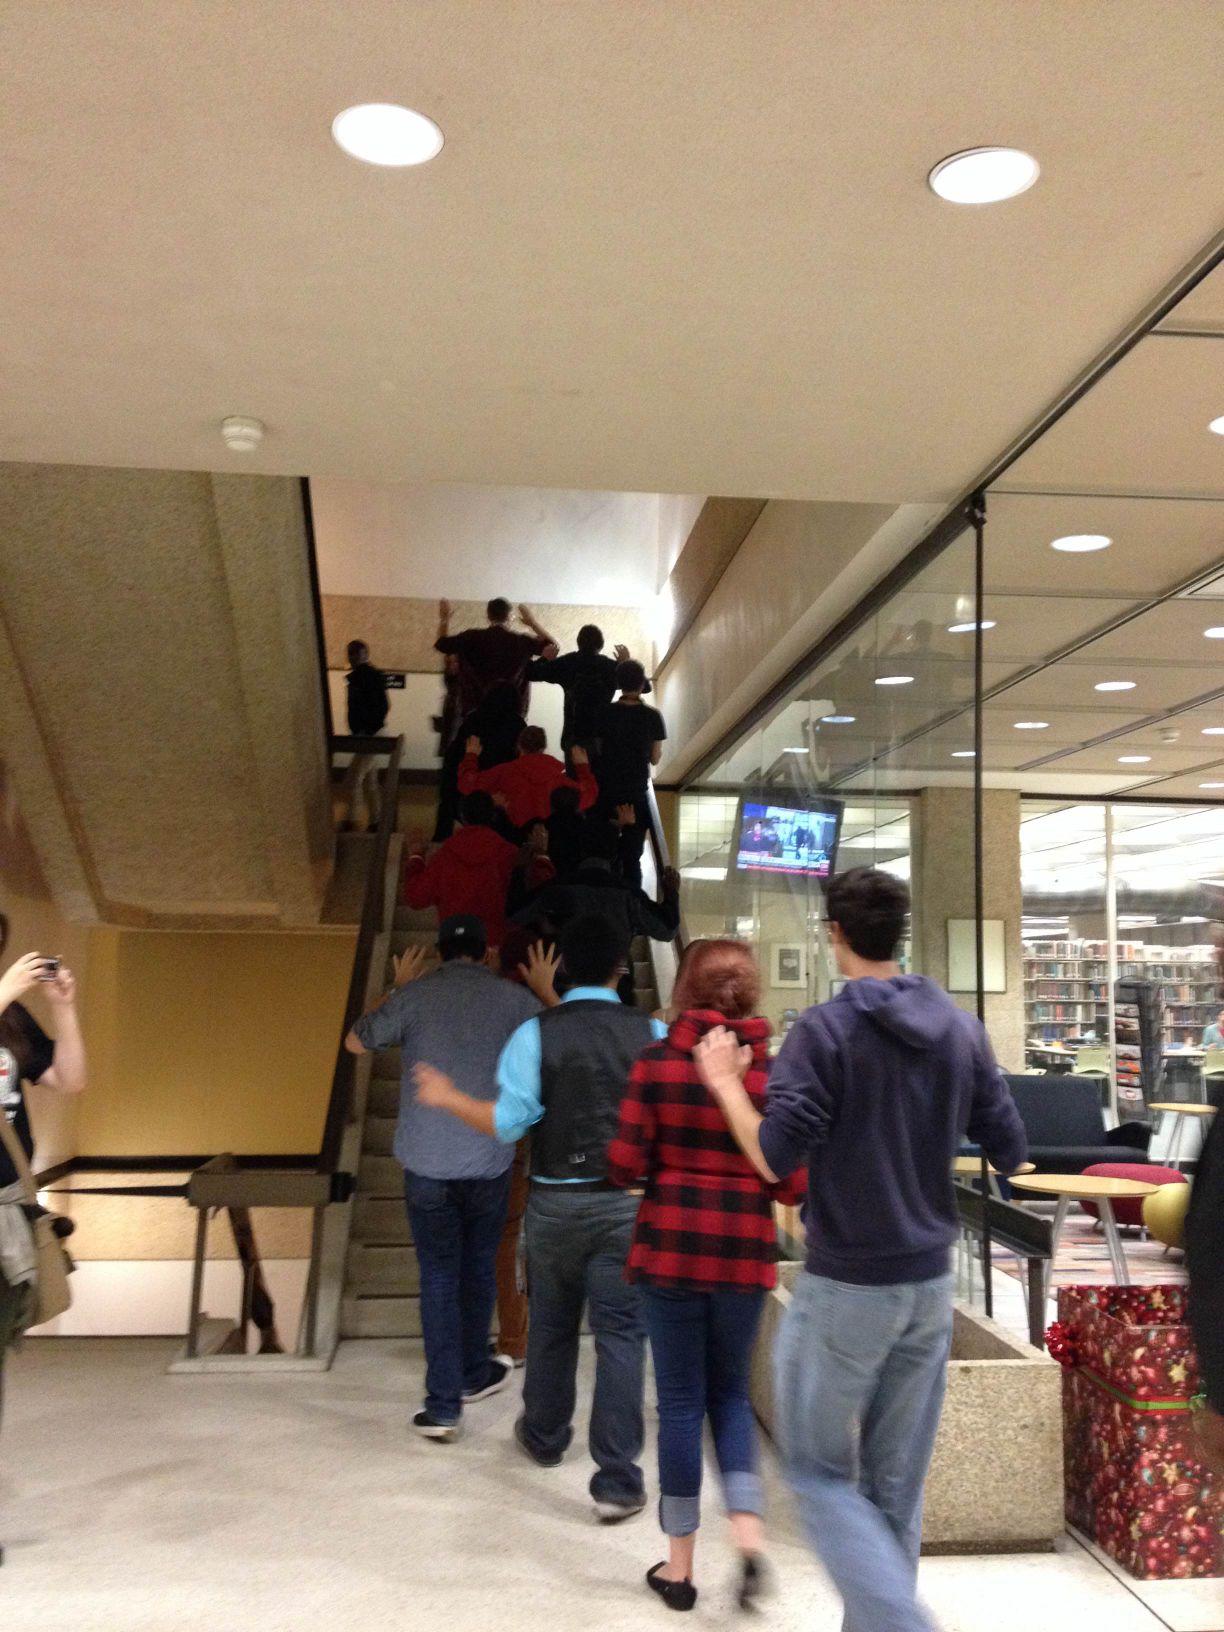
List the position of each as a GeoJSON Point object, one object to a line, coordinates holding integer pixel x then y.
{"type": "Point", "coordinates": [705, 1254]}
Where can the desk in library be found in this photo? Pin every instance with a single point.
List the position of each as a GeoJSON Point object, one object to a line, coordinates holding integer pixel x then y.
{"type": "Point", "coordinates": [1069, 1187]}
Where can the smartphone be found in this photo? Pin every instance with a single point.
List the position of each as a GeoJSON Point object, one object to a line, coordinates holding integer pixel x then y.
{"type": "Point", "coordinates": [50, 968]}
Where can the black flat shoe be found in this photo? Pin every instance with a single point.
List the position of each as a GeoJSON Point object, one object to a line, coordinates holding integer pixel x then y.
{"type": "Point", "coordinates": [675, 1594]}
{"type": "Point", "coordinates": [756, 1581]}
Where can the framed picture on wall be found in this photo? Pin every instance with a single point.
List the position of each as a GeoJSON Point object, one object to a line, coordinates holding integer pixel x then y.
{"type": "Point", "coordinates": [788, 964]}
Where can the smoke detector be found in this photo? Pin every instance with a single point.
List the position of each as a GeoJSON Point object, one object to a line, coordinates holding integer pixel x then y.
{"type": "Point", "coordinates": [242, 434]}
{"type": "Point", "coordinates": [1168, 733]}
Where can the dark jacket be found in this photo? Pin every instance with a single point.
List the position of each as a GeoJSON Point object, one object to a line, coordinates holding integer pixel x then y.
{"type": "Point", "coordinates": [596, 888]}
{"type": "Point", "coordinates": [367, 700]}
{"type": "Point", "coordinates": [876, 1091]}
{"type": "Point", "coordinates": [1205, 1262]}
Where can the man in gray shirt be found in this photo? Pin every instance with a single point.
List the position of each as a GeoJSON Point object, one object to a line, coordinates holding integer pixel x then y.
{"type": "Point", "coordinates": [456, 1181]}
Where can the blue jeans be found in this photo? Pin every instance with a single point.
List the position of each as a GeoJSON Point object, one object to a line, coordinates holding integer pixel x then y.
{"type": "Point", "coordinates": [577, 1245]}
{"type": "Point", "coordinates": [860, 1373]}
{"type": "Point", "coordinates": [702, 1348]}
{"type": "Point", "coordinates": [456, 1227]}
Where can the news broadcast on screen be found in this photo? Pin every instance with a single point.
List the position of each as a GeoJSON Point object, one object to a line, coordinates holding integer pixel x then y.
{"type": "Point", "coordinates": [788, 840]}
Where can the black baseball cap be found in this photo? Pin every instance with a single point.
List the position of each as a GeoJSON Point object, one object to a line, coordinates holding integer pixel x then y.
{"type": "Point", "coordinates": [462, 935]}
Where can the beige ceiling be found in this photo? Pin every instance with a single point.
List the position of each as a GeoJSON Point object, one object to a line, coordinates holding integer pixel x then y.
{"type": "Point", "coordinates": [683, 246]}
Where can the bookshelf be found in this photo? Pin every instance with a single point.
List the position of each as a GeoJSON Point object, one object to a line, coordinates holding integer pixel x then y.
{"type": "Point", "coordinates": [1066, 989]}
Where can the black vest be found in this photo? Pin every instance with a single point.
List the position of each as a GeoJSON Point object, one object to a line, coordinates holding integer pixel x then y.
{"type": "Point", "coordinates": [586, 1050]}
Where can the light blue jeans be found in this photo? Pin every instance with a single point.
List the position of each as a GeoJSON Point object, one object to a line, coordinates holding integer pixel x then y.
{"type": "Point", "coordinates": [860, 1374]}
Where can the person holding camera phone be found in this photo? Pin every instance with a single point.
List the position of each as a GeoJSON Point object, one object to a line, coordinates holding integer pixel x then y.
{"type": "Point", "coordinates": [28, 1055]}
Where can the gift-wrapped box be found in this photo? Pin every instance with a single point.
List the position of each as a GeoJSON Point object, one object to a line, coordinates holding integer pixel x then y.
{"type": "Point", "coordinates": [1134, 1481]}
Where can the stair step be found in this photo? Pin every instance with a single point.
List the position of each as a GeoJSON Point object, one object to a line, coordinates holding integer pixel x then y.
{"type": "Point", "coordinates": [378, 1134]}
{"type": "Point", "coordinates": [389, 1271]}
{"type": "Point", "coordinates": [381, 1176]}
{"type": "Point", "coordinates": [380, 1317]}
{"type": "Point", "coordinates": [383, 1098]}
{"type": "Point", "coordinates": [381, 1221]}
{"type": "Point", "coordinates": [387, 1064]}
{"type": "Point", "coordinates": [643, 973]}
{"type": "Point", "coordinates": [410, 918]}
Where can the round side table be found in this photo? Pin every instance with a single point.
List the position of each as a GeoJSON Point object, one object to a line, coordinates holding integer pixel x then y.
{"type": "Point", "coordinates": [1069, 1187]}
{"type": "Point", "coordinates": [1184, 1114]}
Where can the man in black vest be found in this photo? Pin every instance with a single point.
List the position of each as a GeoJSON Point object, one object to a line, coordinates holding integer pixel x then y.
{"type": "Point", "coordinates": [563, 1074]}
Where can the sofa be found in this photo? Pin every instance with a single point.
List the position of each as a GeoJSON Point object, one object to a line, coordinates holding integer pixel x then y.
{"type": "Point", "coordinates": [1065, 1124]}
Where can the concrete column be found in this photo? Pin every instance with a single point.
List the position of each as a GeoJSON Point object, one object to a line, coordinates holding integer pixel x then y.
{"type": "Point", "coordinates": [941, 827]}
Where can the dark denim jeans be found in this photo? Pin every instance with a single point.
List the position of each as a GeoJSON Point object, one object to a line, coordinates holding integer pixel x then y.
{"type": "Point", "coordinates": [456, 1227]}
{"type": "Point", "coordinates": [702, 1348]}
{"type": "Point", "coordinates": [577, 1244]}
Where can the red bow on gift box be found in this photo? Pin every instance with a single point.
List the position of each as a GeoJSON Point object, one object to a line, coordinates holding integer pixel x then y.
{"type": "Point", "coordinates": [1060, 1345]}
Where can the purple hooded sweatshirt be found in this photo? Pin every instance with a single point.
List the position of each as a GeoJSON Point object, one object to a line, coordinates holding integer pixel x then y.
{"type": "Point", "coordinates": [877, 1090]}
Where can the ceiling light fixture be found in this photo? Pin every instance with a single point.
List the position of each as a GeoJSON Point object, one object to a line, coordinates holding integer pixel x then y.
{"type": "Point", "coordinates": [964, 753]}
{"type": "Point", "coordinates": [1134, 759]}
{"type": "Point", "coordinates": [1114, 685]}
{"type": "Point", "coordinates": [984, 175]}
{"type": "Point", "coordinates": [894, 679]}
{"type": "Point", "coordinates": [1031, 725]}
{"type": "Point", "coordinates": [837, 719]}
{"type": "Point", "coordinates": [1213, 730]}
{"type": "Point", "coordinates": [968, 628]}
{"type": "Point", "coordinates": [1211, 785]}
{"type": "Point", "coordinates": [1217, 425]}
{"type": "Point", "coordinates": [385, 133]}
{"type": "Point", "coordinates": [242, 434]}
{"type": "Point", "coordinates": [1216, 632]}
{"type": "Point", "coordinates": [1081, 543]}
{"type": "Point", "coordinates": [794, 750]}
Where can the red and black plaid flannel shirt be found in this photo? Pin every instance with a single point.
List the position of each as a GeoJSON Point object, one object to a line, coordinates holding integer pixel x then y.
{"type": "Point", "coordinates": [706, 1219]}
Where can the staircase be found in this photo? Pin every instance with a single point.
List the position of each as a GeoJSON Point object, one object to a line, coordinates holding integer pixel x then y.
{"type": "Point", "coordinates": [382, 1282]}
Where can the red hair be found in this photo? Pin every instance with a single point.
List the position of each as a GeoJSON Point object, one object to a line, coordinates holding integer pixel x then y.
{"type": "Point", "coordinates": [718, 975]}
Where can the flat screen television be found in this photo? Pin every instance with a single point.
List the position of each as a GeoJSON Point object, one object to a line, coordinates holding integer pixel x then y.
{"type": "Point", "coordinates": [786, 835]}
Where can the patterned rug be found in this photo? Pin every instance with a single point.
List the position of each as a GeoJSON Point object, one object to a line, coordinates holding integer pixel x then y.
{"type": "Point", "coordinates": [1083, 1258]}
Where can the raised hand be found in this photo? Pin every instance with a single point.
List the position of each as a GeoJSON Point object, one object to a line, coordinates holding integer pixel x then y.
{"type": "Point", "coordinates": [626, 816]}
{"type": "Point", "coordinates": [621, 653]}
{"type": "Point", "coordinates": [21, 977]}
{"type": "Point", "coordinates": [410, 965]}
{"type": "Point", "coordinates": [473, 745]}
{"type": "Point", "coordinates": [537, 839]}
{"type": "Point", "coordinates": [579, 755]}
{"type": "Point", "coordinates": [540, 972]}
{"type": "Point", "coordinates": [61, 992]}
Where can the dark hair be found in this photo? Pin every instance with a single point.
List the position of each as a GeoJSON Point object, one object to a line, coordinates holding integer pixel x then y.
{"type": "Point", "coordinates": [358, 651]}
{"type": "Point", "coordinates": [869, 907]}
{"type": "Point", "coordinates": [592, 949]}
{"type": "Point", "coordinates": [477, 809]}
{"type": "Point", "coordinates": [600, 842]}
{"type": "Point", "coordinates": [498, 609]}
{"type": "Point", "coordinates": [533, 739]}
{"type": "Point", "coordinates": [451, 947]}
{"type": "Point", "coordinates": [590, 638]}
{"type": "Point", "coordinates": [630, 675]}
{"type": "Point", "coordinates": [720, 975]}
{"type": "Point", "coordinates": [563, 800]}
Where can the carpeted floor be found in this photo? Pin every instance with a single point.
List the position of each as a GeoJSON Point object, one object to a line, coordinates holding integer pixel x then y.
{"type": "Point", "coordinates": [1083, 1258]}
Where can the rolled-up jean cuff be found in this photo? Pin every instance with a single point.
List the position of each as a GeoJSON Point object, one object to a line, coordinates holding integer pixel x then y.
{"type": "Point", "coordinates": [679, 1515]}
{"type": "Point", "coordinates": [743, 1493]}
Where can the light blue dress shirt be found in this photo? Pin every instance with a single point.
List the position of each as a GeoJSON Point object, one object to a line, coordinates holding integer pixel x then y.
{"type": "Point", "coordinates": [519, 1106]}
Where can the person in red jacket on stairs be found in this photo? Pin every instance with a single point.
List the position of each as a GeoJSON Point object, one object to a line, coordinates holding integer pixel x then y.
{"type": "Point", "coordinates": [470, 873]}
{"type": "Point", "coordinates": [524, 787]}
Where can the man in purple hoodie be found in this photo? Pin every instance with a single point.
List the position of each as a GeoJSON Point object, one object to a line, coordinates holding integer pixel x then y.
{"type": "Point", "coordinates": [875, 1091]}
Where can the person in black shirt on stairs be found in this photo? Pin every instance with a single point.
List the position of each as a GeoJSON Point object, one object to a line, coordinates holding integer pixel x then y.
{"type": "Point", "coordinates": [367, 714]}
{"type": "Point", "coordinates": [631, 738]}
{"type": "Point", "coordinates": [588, 679]}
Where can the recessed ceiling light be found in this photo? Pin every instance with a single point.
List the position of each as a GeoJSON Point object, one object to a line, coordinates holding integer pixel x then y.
{"type": "Point", "coordinates": [894, 680]}
{"type": "Point", "coordinates": [1213, 730]}
{"type": "Point", "coordinates": [794, 750]}
{"type": "Point", "coordinates": [1114, 685]}
{"type": "Point", "coordinates": [384, 133]}
{"type": "Point", "coordinates": [241, 433]}
{"type": "Point", "coordinates": [1081, 543]}
{"type": "Point", "coordinates": [1134, 759]}
{"type": "Point", "coordinates": [968, 628]}
{"type": "Point", "coordinates": [1216, 632]}
{"type": "Point", "coordinates": [1031, 725]}
{"type": "Point", "coordinates": [1217, 425]}
{"type": "Point", "coordinates": [1211, 784]}
{"type": "Point", "coordinates": [837, 719]}
{"type": "Point", "coordinates": [984, 175]}
{"type": "Point", "coordinates": [964, 753]}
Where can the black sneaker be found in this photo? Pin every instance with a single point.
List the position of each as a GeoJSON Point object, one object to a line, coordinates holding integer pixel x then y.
{"type": "Point", "coordinates": [542, 1459]}
{"type": "Point", "coordinates": [429, 1427]}
{"type": "Point", "coordinates": [614, 1512]}
{"type": "Point", "coordinates": [675, 1594]}
{"type": "Point", "coordinates": [755, 1582]}
{"type": "Point", "coordinates": [501, 1370]}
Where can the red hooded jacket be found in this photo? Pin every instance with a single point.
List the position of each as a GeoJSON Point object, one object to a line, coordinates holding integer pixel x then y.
{"type": "Point", "coordinates": [470, 873]}
{"type": "Point", "coordinates": [527, 784]}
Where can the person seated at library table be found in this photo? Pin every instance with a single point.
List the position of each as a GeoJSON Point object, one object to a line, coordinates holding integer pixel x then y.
{"type": "Point", "coordinates": [1213, 1034]}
